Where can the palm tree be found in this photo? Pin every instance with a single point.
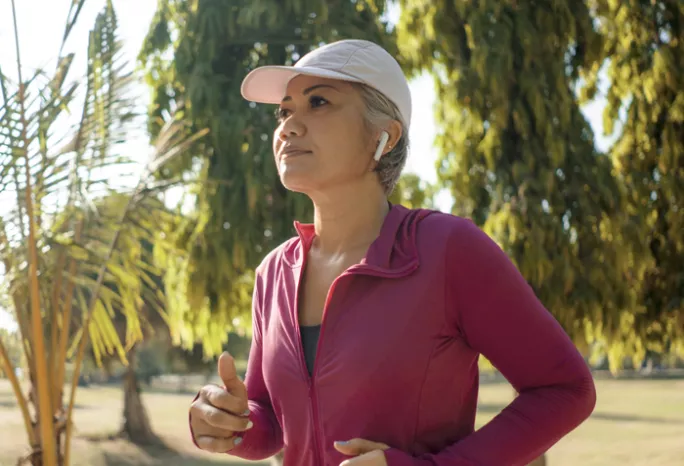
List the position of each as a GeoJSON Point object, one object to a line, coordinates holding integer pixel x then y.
{"type": "Point", "coordinates": [151, 319]}
{"type": "Point", "coordinates": [65, 279]}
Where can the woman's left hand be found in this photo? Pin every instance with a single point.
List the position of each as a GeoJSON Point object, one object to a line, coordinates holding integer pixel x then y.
{"type": "Point", "coordinates": [367, 453]}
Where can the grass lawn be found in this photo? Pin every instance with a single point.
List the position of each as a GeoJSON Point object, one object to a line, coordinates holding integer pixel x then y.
{"type": "Point", "coordinates": [636, 422]}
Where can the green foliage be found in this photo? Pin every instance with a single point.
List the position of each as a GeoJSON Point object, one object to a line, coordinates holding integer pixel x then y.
{"type": "Point", "coordinates": [519, 157]}
{"type": "Point", "coordinates": [414, 193]}
{"type": "Point", "coordinates": [195, 360]}
{"type": "Point", "coordinates": [132, 294]}
{"type": "Point", "coordinates": [196, 54]}
{"type": "Point", "coordinates": [70, 231]}
{"type": "Point", "coordinates": [151, 360]}
{"type": "Point", "coordinates": [644, 49]}
{"type": "Point", "coordinates": [64, 176]}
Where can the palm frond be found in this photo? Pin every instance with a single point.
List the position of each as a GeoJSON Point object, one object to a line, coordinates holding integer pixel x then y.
{"type": "Point", "coordinates": [72, 17]}
{"type": "Point", "coordinates": [77, 248]}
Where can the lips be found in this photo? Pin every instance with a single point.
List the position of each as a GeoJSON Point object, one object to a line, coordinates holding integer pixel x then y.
{"type": "Point", "coordinates": [293, 151]}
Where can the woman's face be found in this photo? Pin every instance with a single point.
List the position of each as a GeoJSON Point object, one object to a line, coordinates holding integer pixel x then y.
{"type": "Point", "coordinates": [322, 141]}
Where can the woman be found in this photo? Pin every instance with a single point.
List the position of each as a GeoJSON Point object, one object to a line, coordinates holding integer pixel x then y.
{"type": "Point", "coordinates": [369, 323]}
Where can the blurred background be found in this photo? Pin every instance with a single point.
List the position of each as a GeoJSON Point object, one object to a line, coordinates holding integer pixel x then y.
{"type": "Point", "coordinates": [138, 194]}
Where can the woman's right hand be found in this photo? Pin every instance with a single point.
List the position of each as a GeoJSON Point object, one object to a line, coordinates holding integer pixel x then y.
{"type": "Point", "coordinates": [218, 414]}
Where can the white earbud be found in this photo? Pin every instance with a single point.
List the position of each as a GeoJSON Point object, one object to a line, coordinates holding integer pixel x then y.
{"type": "Point", "coordinates": [381, 145]}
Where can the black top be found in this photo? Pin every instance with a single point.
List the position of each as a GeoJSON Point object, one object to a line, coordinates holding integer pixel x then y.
{"type": "Point", "coordinates": [310, 334]}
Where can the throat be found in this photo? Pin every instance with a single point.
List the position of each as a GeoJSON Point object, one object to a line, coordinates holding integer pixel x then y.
{"type": "Point", "coordinates": [348, 228]}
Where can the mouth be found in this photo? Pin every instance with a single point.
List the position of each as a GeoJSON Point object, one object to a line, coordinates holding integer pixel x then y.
{"type": "Point", "coordinates": [294, 153]}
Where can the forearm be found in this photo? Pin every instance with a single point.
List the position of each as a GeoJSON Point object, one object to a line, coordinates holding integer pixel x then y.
{"type": "Point", "coordinates": [264, 439]}
{"type": "Point", "coordinates": [495, 311]}
{"type": "Point", "coordinates": [525, 429]}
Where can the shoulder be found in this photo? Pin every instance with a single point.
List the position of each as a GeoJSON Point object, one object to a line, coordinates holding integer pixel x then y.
{"type": "Point", "coordinates": [460, 237]}
{"type": "Point", "coordinates": [280, 255]}
{"type": "Point", "coordinates": [267, 272]}
{"type": "Point", "coordinates": [450, 227]}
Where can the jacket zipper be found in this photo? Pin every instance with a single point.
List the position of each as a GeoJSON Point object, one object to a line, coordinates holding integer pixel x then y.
{"type": "Point", "coordinates": [302, 363]}
{"type": "Point", "coordinates": [369, 270]}
{"type": "Point", "coordinates": [312, 387]}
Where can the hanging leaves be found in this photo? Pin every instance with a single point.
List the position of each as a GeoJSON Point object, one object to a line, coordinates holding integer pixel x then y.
{"type": "Point", "coordinates": [518, 155]}
{"type": "Point", "coordinates": [241, 210]}
{"type": "Point", "coordinates": [644, 46]}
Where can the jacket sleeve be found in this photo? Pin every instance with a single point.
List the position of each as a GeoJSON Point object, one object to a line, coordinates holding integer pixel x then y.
{"type": "Point", "coordinates": [497, 313]}
{"type": "Point", "coordinates": [265, 438]}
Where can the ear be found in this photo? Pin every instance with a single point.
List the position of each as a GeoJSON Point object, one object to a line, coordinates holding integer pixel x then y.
{"type": "Point", "coordinates": [394, 132]}
{"type": "Point", "coordinates": [382, 144]}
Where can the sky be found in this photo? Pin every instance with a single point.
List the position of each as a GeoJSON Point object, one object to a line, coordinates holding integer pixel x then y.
{"type": "Point", "coordinates": [41, 24]}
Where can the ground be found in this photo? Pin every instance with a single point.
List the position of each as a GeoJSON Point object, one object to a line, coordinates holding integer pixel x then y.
{"type": "Point", "coordinates": [636, 422]}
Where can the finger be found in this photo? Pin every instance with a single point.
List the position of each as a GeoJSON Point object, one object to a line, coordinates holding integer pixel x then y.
{"type": "Point", "coordinates": [358, 446]}
{"type": "Point", "coordinates": [373, 458]}
{"type": "Point", "coordinates": [201, 428]}
{"type": "Point", "coordinates": [223, 399]}
{"type": "Point", "coordinates": [218, 418]}
{"type": "Point", "coordinates": [228, 374]}
{"type": "Point", "coordinates": [218, 444]}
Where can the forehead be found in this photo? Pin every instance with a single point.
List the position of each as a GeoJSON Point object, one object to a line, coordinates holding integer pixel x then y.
{"type": "Point", "coordinates": [302, 84]}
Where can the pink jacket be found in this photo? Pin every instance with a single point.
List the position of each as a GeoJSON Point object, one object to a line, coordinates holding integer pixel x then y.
{"type": "Point", "coordinates": [398, 351]}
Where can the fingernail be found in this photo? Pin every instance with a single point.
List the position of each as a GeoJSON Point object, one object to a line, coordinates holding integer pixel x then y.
{"type": "Point", "coordinates": [342, 442]}
{"type": "Point", "coordinates": [246, 413]}
{"type": "Point", "coordinates": [238, 441]}
{"type": "Point", "coordinates": [250, 424]}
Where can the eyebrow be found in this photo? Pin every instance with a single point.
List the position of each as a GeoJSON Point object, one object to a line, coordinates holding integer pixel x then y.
{"type": "Point", "coordinates": [312, 88]}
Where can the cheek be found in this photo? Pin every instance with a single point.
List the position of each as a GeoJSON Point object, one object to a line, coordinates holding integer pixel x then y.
{"type": "Point", "coordinates": [277, 143]}
{"type": "Point", "coordinates": [345, 145]}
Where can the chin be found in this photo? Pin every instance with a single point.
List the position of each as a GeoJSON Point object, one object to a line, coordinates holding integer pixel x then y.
{"type": "Point", "coordinates": [297, 182]}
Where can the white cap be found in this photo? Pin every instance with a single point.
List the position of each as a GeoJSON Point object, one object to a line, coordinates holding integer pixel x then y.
{"type": "Point", "coordinates": [347, 60]}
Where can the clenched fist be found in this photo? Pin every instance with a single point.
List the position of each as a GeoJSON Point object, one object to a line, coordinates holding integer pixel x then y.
{"type": "Point", "coordinates": [219, 413]}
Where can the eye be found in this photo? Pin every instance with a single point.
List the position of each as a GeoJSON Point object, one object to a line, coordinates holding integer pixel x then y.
{"type": "Point", "coordinates": [317, 101]}
{"type": "Point", "coordinates": [281, 113]}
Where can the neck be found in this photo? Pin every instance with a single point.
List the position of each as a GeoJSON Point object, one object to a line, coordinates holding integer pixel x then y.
{"type": "Point", "coordinates": [348, 218]}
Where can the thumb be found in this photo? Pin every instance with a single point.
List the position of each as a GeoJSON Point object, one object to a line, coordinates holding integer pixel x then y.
{"type": "Point", "coordinates": [228, 374]}
{"type": "Point", "coordinates": [359, 446]}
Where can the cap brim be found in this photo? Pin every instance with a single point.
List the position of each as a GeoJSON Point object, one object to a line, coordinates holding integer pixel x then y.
{"type": "Point", "coordinates": [268, 84]}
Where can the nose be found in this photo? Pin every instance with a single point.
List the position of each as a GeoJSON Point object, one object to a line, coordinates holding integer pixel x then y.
{"type": "Point", "coordinates": [291, 127]}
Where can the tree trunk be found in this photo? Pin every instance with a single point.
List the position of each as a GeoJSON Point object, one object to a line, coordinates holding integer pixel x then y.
{"type": "Point", "coordinates": [136, 423]}
{"type": "Point", "coordinates": [35, 457]}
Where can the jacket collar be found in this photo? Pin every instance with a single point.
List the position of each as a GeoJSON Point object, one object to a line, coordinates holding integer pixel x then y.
{"type": "Point", "coordinates": [393, 251]}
